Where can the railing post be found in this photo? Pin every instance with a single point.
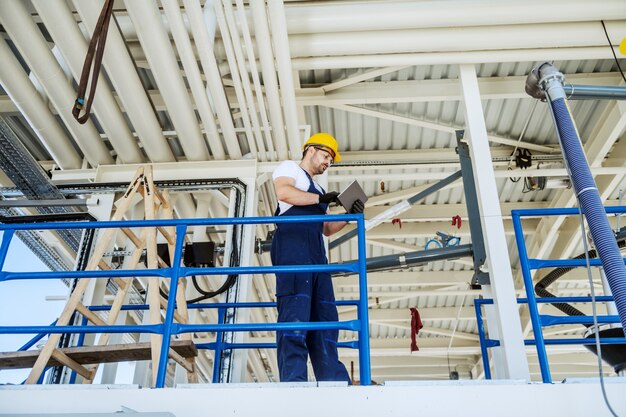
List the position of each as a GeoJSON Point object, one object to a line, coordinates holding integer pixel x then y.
{"type": "Point", "coordinates": [532, 301]}
{"type": "Point", "coordinates": [79, 343]}
{"type": "Point", "coordinates": [217, 356]}
{"type": "Point", "coordinates": [181, 229]}
{"type": "Point", "coordinates": [481, 336]}
{"type": "Point", "coordinates": [364, 334]}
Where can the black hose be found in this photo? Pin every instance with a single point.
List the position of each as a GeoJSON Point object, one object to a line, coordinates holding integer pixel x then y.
{"type": "Point", "coordinates": [541, 286]}
{"type": "Point", "coordinates": [228, 283]}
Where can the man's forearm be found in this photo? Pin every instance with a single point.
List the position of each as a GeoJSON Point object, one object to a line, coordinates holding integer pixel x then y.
{"type": "Point", "coordinates": [330, 228]}
{"type": "Point", "coordinates": [291, 195]}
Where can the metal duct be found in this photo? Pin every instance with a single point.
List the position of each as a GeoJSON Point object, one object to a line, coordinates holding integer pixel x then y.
{"type": "Point", "coordinates": [30, 178]}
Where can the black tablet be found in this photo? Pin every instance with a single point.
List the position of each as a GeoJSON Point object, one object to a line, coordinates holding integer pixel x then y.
{"type": "Point", "coordinates": [352, 193]}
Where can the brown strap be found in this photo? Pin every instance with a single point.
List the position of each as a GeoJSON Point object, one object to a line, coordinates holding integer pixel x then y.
{"type": "Point", "coordinates": [96, 45]}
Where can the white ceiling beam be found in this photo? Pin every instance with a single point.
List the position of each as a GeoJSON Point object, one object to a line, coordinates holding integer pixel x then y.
{"type": "Point", "coordinates": [427, 91]}
{"type": "Point", "coordinates": [405, 279]}
{"type": "Point", "coordinates": [413, 91]}
{"type": "Point", "coordinates": [498, 173]}
{"type": "Point", "coordinates": [428, 314]}
{"type": "Point", "coordinates": [416, 361]}
{"type": "Point", "coordinates": [378, 294]}
{"type": "Point", "coordinates": [404, 194]}
{"type": "Point", "coordinates": [451, 58]}
{"type": "Point", "coordinates": [437, 126]}
{"type": "Point", "coordinates": [425, 230]}
{"type": "Point", "coordinates": [430, 330]}
{"type": "Point", "coordinates": [355, 159]}
{"type": "Point", "coordinates": [439, 212]}
{"type": "Point", "coordinates": [366, 75]}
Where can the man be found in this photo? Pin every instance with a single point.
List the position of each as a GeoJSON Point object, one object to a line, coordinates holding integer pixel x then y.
{"type": "Point", "coordinates": [306, 297]}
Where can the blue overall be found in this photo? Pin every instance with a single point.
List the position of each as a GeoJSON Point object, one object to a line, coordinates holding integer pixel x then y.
{"type": "Point", "coordinates": [305, 296]}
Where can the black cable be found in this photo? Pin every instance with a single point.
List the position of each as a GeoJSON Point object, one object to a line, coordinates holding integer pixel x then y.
{"type": "Point", "coordinates": [230, 280]}
{"type": "Point", "coordinates": [541, 286]}
{"type": "Point", "coordinates": [612, 50]}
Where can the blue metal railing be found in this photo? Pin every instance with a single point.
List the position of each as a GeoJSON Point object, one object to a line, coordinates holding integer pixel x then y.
{"type": "Point", "coordinates": [539, 321]}
{"type": "Point", "coordinates": [174, 273]}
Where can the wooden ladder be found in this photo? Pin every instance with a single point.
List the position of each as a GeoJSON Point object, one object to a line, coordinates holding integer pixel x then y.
{"type": "Point", "coordinates": [155, 202]}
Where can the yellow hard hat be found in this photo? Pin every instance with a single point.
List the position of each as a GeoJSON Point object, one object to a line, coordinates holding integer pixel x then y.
{"type": "Point", "coordinates": [327, 141]}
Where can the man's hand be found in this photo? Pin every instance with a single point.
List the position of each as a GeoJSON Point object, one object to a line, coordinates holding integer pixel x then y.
{"type": "Point", "coordinates": [329, 197]}
{"type": "Point", "coordinates": [357, 207]}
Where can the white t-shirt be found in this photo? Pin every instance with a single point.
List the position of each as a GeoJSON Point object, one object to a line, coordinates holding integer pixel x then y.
{"type": "Point", "coordinates": [293, 170]}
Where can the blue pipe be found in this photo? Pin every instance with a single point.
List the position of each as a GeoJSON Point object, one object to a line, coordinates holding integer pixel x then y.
{"type": "Point", "coordinates": [585, 188]}
{"type": "Point", "coordinates": [7, 235]}
{"type": "Point", "coordinates": [34, 340]}
{"type": "Point", "coordinates": [181, 229]}
{"type": "Point", "coordinates": [219, 346]}
{"type": "Point", "coordinates": [483, 342]}
{"type": "Point", "coordinates": [364, 337]}
{"type": "Point", "coordinates": [535, 319]}
{"type": "Point", "coordinates": [127, 307]}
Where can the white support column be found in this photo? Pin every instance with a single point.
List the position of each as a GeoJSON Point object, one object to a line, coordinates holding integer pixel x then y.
{"type": "Point", "coordinates": [510, 358]}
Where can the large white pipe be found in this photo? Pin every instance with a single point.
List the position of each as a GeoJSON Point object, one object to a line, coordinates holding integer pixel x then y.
{"type": "Point", "coordinates": [124, 78]}
{"type": "Point", "coordinates": [33, 47]}
{"type": "Point", "coordinates": [164, 66]}
{"type": "Point", "coordinates": [183, 44]}
{"type": "Point", "coordinates": [123, 75]}
{"type": "Point", "coordinates": [62, 26]}
{"type": "Point", "coordinates": [266, 58]}
{"type": "Point", "coordinates": [27, 99]}
{"type": "Point", "coordinates": [392, 15]}
{"type": "Point", "coordinates": [212, 73]}
{"type": "Point", "coordinates": [245, 30]}
{"type": "Point", "coordinates": [276, 11]}
{"type": "Point", "coordinates": [245, 79]}
{"type": "Point", "coordinates": [557, 35]}
{"type": "Point", "coordinates": [236, 78]}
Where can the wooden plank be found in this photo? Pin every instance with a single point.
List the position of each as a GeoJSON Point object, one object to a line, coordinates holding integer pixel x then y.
{"type": "Point", "coordinates": [139, 243]}
{"type": "Point", "coordinates": [167, 235]}
{"type": "Point", "coordinates": [95, 354]}
{"type": "Point", "coordinates": [180, 360]}
{"type": "Point", "coordinates": [153, 297]}
{"type": "Point", "coordinates": [91, 316]}
{"type": "Point", "coordinates": [71, 363]}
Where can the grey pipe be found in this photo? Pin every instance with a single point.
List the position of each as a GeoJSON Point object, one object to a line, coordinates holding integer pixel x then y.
{"type": "Point", "coordinates": [594, 92]}
{"type": "Point", "coordinates": [417, 258]}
